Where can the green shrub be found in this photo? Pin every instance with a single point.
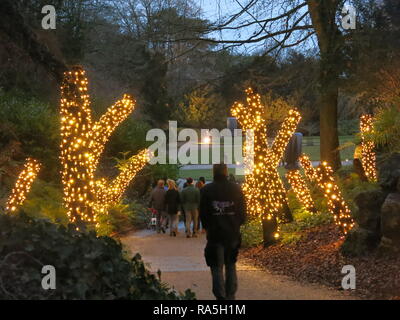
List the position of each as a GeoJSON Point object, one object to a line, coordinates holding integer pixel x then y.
{"type": "Point", "coordinates": [386, 133]}
{"type": "Point", "coordinates": [170, 171]}
{"type": "Point", "coordinates": [252, 234]}
{"type": "Point", "coordinates": [348, 127]}
{"type": "Point", "coordinates": [140, 215]}
{"type": "Point", "coordinates": [129, 136]}
{"type": "Point", "coordinates": [290, 237]}
{"type": "Point", "coordinates": [87, 266]}
{"type": "Point", "coordinates": [35, 125]}
{"type": "Point", "coordinates": [293, 202]}
{"type": "Point", "coordinates": [123, 217]}
{"type": "Point", "coordinates": [45, 200]}
{"type": "Point", "coordinates": [351, 185]}
{"type": "Point", "coordinates": [302, 220]}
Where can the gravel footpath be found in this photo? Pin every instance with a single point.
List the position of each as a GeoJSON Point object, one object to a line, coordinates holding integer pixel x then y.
{"type": "Point", "coordinates": [182, 266]}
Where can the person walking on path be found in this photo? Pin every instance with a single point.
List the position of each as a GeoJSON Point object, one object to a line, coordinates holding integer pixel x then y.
{"type": "Point", "coordinates": [157, 202]}
{"type": "Point", "coordinates": [172, 202]}
{"type": "Point", "coordinates": [190, 198]}
{"type": "Point", "coordinates": [182, 208]}
{"type": "Point", "coordinates": [200, 184]}
{"type": "Point", "coordinates": [222, 212]}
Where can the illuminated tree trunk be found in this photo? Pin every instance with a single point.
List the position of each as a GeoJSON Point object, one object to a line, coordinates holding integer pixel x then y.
{"type": "Point", "coordinates": [323, 15]}
{"type": "Point", "coordinates": [263, 188]}
{"type": "Point", "coordinates": [368, 155]}
{"type": "Point", "coordinates": [270, 230]}
{"type": "Point", "coordinates": [82, 143]}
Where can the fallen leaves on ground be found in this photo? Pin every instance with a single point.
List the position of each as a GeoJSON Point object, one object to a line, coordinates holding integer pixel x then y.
{"type": "Point", "coordinates": [316, 258]}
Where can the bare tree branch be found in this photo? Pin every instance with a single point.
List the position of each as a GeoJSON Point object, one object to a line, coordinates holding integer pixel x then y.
{"type": "Point", "coordinates": [265, 21]}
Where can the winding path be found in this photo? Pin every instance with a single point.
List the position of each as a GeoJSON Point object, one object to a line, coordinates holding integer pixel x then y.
{"type": "Point", "coordinates": [182, 266]}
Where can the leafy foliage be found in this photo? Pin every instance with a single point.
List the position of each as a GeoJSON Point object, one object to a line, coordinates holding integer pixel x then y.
{"type": "Point", "coordinates": [201, 108]}
{"type": "Point", "coordinates": [386, 134]}
{"type": "Point", "coordinates": [124, 217]}
{"type": "Point", "coordinates": [276, 111]}
{"type": "Point", "coordinates": [252, 233]}
{"type": "Point", "coordinates": [348, 126]}
{"type": "Point", "coordinates": [351, 185]}
{"type": "Point", "coordinates": [87, 266]}
{"type": "Point", "coordinates": [303, 220]}
{"type": "Point", "coordinates": [45, 201]}
{"type": "Point", "coordinates": [130, 137]}
{"type": "Point", "coordinates": [170, 171]}
{"type": "Point", "coordinates": [33, 124]}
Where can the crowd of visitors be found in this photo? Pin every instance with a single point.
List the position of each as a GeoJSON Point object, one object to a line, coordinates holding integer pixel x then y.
{"type": "Point", "coordinates": [220, 207]}
{"type": "Point", "coordinates": [170, 203]}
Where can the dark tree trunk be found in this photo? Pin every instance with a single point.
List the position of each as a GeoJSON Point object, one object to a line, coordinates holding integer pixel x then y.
{"type": "Point", "coordinates": [323, 14]}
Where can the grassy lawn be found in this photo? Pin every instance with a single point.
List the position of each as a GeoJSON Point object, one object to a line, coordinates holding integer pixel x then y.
{"type": "Point", "coordinates": [196, 174]}
{"type": "Point", "coordinates": [207, 174]}
{"type": "Point", "coordinates": [310, 146]}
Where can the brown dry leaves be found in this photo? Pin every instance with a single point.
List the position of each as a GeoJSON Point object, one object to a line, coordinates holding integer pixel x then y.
{"type": "Point", "coordinates": [316, 258]}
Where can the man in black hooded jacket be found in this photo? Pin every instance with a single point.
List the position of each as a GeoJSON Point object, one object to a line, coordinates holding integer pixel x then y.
{"type": "Point", "coordinates": [222, 212]}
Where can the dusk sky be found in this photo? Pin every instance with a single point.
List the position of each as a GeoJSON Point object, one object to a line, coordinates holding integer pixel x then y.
{"type": "Point", "coordinates": [214, 10]}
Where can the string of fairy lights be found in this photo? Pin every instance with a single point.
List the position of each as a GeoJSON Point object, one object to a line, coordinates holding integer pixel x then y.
{"type": "Point", "coordinates": [263, 188]}
{"type": "Point", "coordinates": [82, 143]}
{"type": "Point", "coordinates": [368, 159]}
{"type": "Point", "coordinates": [301, 190]}
{"type": "Point", "coordinates": [23, 184]}
{"type": "Point", "coordinates": [337, 206]}
{"type": "Point", "coordinates": [112, 194]}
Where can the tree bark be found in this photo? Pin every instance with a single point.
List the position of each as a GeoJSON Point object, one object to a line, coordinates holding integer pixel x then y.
{"type": "Point", "coordinates": [323, 14]}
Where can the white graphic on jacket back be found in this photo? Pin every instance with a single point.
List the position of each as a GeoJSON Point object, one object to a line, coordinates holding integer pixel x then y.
{"type": "Point", "coordinates": [223, 208]}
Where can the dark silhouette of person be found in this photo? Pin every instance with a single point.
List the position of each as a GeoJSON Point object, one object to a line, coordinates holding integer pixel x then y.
{"type": "Point", "coordinates": [222, 212]}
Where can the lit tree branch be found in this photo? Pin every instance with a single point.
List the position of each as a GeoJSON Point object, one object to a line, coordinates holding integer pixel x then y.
{"type": "Point", "coordinates": [111, 194]}
{"type": "Point", "coordinates": [301, 190]}
{"type": "Point", "coordinates": [286, 131]}
{"type": "Point", "coordinates": [337, 206]}
{"type": "Point", "coordinates": [23, 184]}
{"type": "Point", "coordinates": [108, 122]}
